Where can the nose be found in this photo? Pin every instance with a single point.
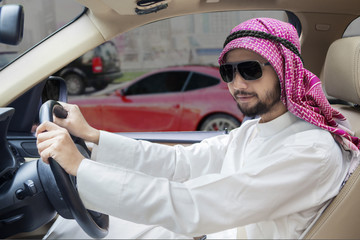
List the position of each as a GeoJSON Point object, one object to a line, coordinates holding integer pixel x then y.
{"type": "Point", "coordinates": [239, 82]}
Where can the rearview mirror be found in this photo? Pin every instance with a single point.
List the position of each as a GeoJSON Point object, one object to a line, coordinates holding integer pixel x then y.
{"type": "Point", "coordinates": [11, 24]}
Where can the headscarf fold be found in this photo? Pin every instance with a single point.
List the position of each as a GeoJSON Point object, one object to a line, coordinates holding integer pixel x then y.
{"type": "Point", "coordinates": [301, 90]}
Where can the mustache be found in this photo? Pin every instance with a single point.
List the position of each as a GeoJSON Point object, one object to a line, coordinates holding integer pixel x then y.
{"type": "Point", "coordinates": [244, 93]}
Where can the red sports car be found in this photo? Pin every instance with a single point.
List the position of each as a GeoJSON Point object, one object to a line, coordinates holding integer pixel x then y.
{"type": "Point", "coordinates": [186, 98]}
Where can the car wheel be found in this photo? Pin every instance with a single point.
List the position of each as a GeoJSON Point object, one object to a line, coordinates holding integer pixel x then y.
{"type": "Point", "coordinates": [75, 84]}
{"type": "Point", "coordinates": [219, 122]}
{"type": "Point", "coordinates": [98, 85]}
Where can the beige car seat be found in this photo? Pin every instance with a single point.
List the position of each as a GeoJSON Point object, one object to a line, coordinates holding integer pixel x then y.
{"type": "Point", "coordinates": [341, 219]}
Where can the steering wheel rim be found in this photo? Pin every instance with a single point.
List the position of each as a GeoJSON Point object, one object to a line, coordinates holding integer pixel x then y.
{"type": "Point", "coordinates": [93, 223]}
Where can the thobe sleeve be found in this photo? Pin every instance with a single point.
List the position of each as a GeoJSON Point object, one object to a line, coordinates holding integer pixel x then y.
{"type": "Point", "coordinates": [177, 163]}
{"type": "Point", "coordinates": [215, 202]}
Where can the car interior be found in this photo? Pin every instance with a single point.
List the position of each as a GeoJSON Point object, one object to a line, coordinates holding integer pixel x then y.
{"type": "Point", "coordinates": [342, 62]}
{"type": "Point", "coordinates": [325, 52]}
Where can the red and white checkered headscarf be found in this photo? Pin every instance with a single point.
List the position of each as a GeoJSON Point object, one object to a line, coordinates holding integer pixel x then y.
{"type": "Point", "coordinates": [301, 90]}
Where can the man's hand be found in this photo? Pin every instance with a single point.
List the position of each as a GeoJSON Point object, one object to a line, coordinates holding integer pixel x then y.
{"type": "Point", "coordinates": [55, 142]}
{"type": "Point", "coordinates": [76, 124]}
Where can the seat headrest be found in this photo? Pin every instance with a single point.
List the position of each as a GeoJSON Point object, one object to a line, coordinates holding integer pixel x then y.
{"type": "Point", "coordinates": [342, 70]}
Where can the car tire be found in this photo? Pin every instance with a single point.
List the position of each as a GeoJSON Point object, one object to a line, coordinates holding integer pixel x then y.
{"type": "Point", "coordinates": [219, 122]}
{"type": "Point", "coordinates": [98, 85]}
{"type": "Point", "coordinates": [74, 83]}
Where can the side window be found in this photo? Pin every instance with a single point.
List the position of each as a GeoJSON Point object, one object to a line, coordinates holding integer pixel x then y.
{"type": "Point", "coordinates": [201, 81]}
{"type": "Point", "coordinates": [161, 60]}
{"type": "Point", "coordinates": [164, 82]}
{"type": "Point", "coordinates": [353, 29]}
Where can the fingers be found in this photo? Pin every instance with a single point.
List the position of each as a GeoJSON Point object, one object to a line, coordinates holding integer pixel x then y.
{"type": "Point", "coordinates": [52, 138]}
{"type": "Point", "coordinates": [57, 144]}
{"type": "Point", "coordinates": [46, 134]}
{"type": "Point", "coordinates": [73, 116]}
{"type": "Point", "coordinates": [45, 152]}
{"type": "Point", "coordinates": [75, 122]}
{"type": "Point", "coordinates": [70, 107]}
{"type": "Point", "coordinates": [46, 126]}
{"type": "Point", "coordinates": [60, 111]}
{"type": "Point", "coordinates": [64, 121]}
{"type": "Point", "coordinates": [66, 106]}
{"type": "Point", "coordinates": [55, 141]}
{"type": "Point", "coordinates": [51, 148]}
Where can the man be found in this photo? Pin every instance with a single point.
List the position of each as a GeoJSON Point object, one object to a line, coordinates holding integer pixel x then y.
{"type": "Point", "coordinates": [272, 175]}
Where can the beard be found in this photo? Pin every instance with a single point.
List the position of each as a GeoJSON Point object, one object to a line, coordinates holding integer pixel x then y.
{"type": "Point", "coordinates": [263, 106]}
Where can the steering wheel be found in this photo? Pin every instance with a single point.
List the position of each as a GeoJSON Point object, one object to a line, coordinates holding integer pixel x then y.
{"type": "Point", "coordinates": [93, 223]}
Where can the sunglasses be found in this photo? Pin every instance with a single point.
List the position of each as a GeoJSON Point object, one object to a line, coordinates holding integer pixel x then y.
{"type": "Point", "coordinates": [249, 70]}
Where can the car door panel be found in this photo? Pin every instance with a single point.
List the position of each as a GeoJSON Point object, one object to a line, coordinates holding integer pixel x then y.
{"type": "Point", "coordinates": [143, 113]}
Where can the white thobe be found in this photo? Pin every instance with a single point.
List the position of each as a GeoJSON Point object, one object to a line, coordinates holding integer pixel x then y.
{"type": "Point", "coordinates": [270, 177]}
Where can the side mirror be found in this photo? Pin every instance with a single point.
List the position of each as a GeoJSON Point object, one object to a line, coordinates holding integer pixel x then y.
{"type": "Point", "coordinates": [11, 24]}
{"type": "Point", "coordinates": [120, 92]}
{"type": "Point", "coordinates": [55, 89]}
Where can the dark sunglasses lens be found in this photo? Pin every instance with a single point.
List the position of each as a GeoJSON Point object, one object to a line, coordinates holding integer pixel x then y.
{"type": "Point", "coordinates": [226, 72]}
{"type": "Point", "coordinates": [250, 70]}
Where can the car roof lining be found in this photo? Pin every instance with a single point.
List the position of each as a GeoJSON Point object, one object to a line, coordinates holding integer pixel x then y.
{"type": "Point", "coordinates": [127, 7]}
{"type": "Point", "coordinates": [107, 14]}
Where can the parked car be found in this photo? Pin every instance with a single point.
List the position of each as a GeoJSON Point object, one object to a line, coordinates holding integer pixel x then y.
{"type": "Point", "coordinates": [97, 68]}
{"type": "Point", "coordinates": [30, 198]}
{"type": "Point", "coordinates": [184, 98]}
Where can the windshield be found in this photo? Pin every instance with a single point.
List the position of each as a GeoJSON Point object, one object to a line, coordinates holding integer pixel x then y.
{"type": "Point", "coordinates": [162, 76]}
{"type": "Point", "coordinates": [41, 18]}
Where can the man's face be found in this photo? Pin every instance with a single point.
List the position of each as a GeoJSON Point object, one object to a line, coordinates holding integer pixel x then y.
{"type": "Point", "coordinates": [256, 97]}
